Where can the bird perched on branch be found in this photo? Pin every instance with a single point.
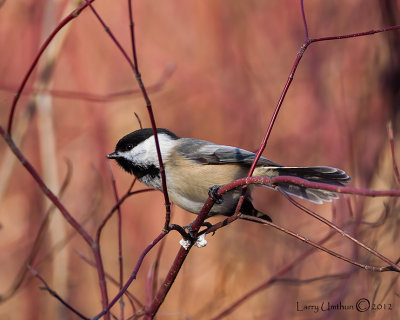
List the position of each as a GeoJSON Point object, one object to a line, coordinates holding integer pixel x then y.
{"type": "Point", "coordinates": [193, 167]}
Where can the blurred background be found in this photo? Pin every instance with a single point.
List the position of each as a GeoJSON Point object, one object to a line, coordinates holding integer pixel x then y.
{"type": "Point", "coordinates": [215, 71]}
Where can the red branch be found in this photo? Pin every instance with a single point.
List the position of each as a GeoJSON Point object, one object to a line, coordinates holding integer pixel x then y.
{"type": "Point", "coordinates": [178, 262]}
{"type": "Point", "coordinates": [300, 54]}
{"type": "Point", "coordinates": [61, 25]}
{"type": "Point", "coordinates": [133, 275]}
{"type": "Point", "coordinates": [182, 254]}
{"type": "Point", "coordinates": [264, 180]}
{"type": "Point", "coordinates": [167, 284]}
{"type": "Point", "coordinates": [93, 97]}
{"type": "Point", "coordinates": [70, 219]}
{"type": "Point", "coordinates": [135, 68]}
{"type": "Point", "coordinates": [274, 182]}
{"type": "Point", "coordinates": [54, 294]}
{"type": "Point", "coordinates": [273, 279]}
{"type": "Point", "coordinates": [47, 192]}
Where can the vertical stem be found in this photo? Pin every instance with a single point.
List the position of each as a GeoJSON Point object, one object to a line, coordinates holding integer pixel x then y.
{"type": "Point", "coordinates": [167, 284]}
{"type": "Point", "coordinates": [279, 105]}
{"type": "Point", "coordinates": [101, 276]}
{"type": "Point", "coordinates": [152, 119]}
{"type": "Point", "coordinates": [135, 69]}
{"type": "Point", "coordinates": [303, 14]}
{"type": "Point", "coordinates": [132, 277]}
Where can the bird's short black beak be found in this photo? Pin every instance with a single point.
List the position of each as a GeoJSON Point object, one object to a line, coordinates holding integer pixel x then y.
{"type": "Point", "coordinates": [112, 156]}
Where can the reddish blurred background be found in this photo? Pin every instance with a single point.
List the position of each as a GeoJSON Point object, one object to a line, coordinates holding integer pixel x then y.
{"type": "Point", "coordinates": [227, 62]}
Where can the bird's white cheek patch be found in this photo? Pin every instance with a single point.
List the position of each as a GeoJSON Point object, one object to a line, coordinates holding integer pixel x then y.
{"type": "Point", "coordinates": [135, 156]}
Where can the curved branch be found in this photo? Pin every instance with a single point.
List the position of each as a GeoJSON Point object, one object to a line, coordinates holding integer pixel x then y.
{"type": "Point", "coordinates": [133, 275]}
{"type": "Point", "coordinates": [44, 46]}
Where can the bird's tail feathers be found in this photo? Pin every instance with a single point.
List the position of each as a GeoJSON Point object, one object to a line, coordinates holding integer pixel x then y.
{"type": "Point", "coordinates": [327, 175]}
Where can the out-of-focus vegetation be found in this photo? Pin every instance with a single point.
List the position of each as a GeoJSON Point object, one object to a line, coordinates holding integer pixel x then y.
{"type": "Point", "coordinates": [230, 61]}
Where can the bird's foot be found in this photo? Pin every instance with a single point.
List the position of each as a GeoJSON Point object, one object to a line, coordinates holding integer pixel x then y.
{"type": "Point", "coordinates": [212, 192]}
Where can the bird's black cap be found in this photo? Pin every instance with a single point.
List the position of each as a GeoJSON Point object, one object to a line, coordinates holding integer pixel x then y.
{"type": "Point", "coordinates": [132, 139]}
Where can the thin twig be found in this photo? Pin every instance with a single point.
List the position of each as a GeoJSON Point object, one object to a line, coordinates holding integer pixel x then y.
{"type": "Point", "coordinates": [292, 73]}
{"type": "Point", "coordinates": [48, 193]}
{"type": "Point", "coordinates": [132, 33]}
{"type": "Point", "coordinates": [132, 298]}
{"type": "Point", "coordinates": [135, 69]}
{"type": "Point", "coordinates": [354, 35]}
{"type": "Point", "coordinates": [70, 219]}
{"type": "Point", "coordinates": [93, 97]}
{"type": "Point", "coordinates": [157, 265]}
{"type": "Point", "coordinates": [44, 46]}
{"type": "Point", "coordinates": [152, 119]}
{"type": "Point", "coordinates": [179, 260]}
{"type": "Point", "coordinates": [393, 265]}
{"type": "Point", "coordinates": [269, 181]}
{"type": "Point", "coordinates": [169, 280]}
{"type": "Point", "coordinates": [116, 206]}
{"type": "Point", "coordinates": [303, 14]}
{"type": "Point", "coordinates": [275, 181]}
{"type": "Point", "coordinates": [37, 242]}
{"type": "Point", "coordinates": [139, 121]}
{"type": "Point", "coordinates": [55, 295]}
{"type": "Point", "coordinates": [119, 223]}
{"type": "Point", "coordinates": [132, 276]}
{"type": "Point", "coordinates": [277, 275]}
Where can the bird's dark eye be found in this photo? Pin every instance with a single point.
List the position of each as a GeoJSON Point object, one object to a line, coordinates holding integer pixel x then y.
{"type": "Point", "coordinates": [129, 147]}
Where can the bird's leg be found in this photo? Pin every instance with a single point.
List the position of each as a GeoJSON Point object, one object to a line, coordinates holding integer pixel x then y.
{"type": "Point", "coordinates": [212, 192]}
{"type": "Point", "coordinates": [181, 230]}
{"type": "Point", "coordinates": [198, 241]}
{"type": "Point", "coordinates": [189, 227]}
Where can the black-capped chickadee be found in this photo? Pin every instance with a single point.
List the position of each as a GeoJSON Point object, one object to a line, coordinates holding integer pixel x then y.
{"type": "Point", "coordinates": [193, 166]}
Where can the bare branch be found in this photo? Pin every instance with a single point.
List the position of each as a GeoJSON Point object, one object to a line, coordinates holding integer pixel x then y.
{"type": "Point", "coordinates": [47, 192]}
{"type": "Point", "coordinates": [394, 266]}
{"type": "Point", "coordinates": [36, 243]}
{"type": "Point", "coordinates": [44, 46]}
{"type": "Point", "coordinates": [132, 276]}
{"type": "Point", "coordinates": [138, 76]}
{"type": "Point", "coordinates": [55, 295]}
{"type": "Point", "coordinates": [100, 98]}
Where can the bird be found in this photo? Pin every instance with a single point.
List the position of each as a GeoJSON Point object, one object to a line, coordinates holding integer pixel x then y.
{"type": "Point", "coordinates": [194, 168]}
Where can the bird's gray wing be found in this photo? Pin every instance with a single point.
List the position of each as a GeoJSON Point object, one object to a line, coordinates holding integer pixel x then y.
{"type": "Point", "coordinates": [210, 153]}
